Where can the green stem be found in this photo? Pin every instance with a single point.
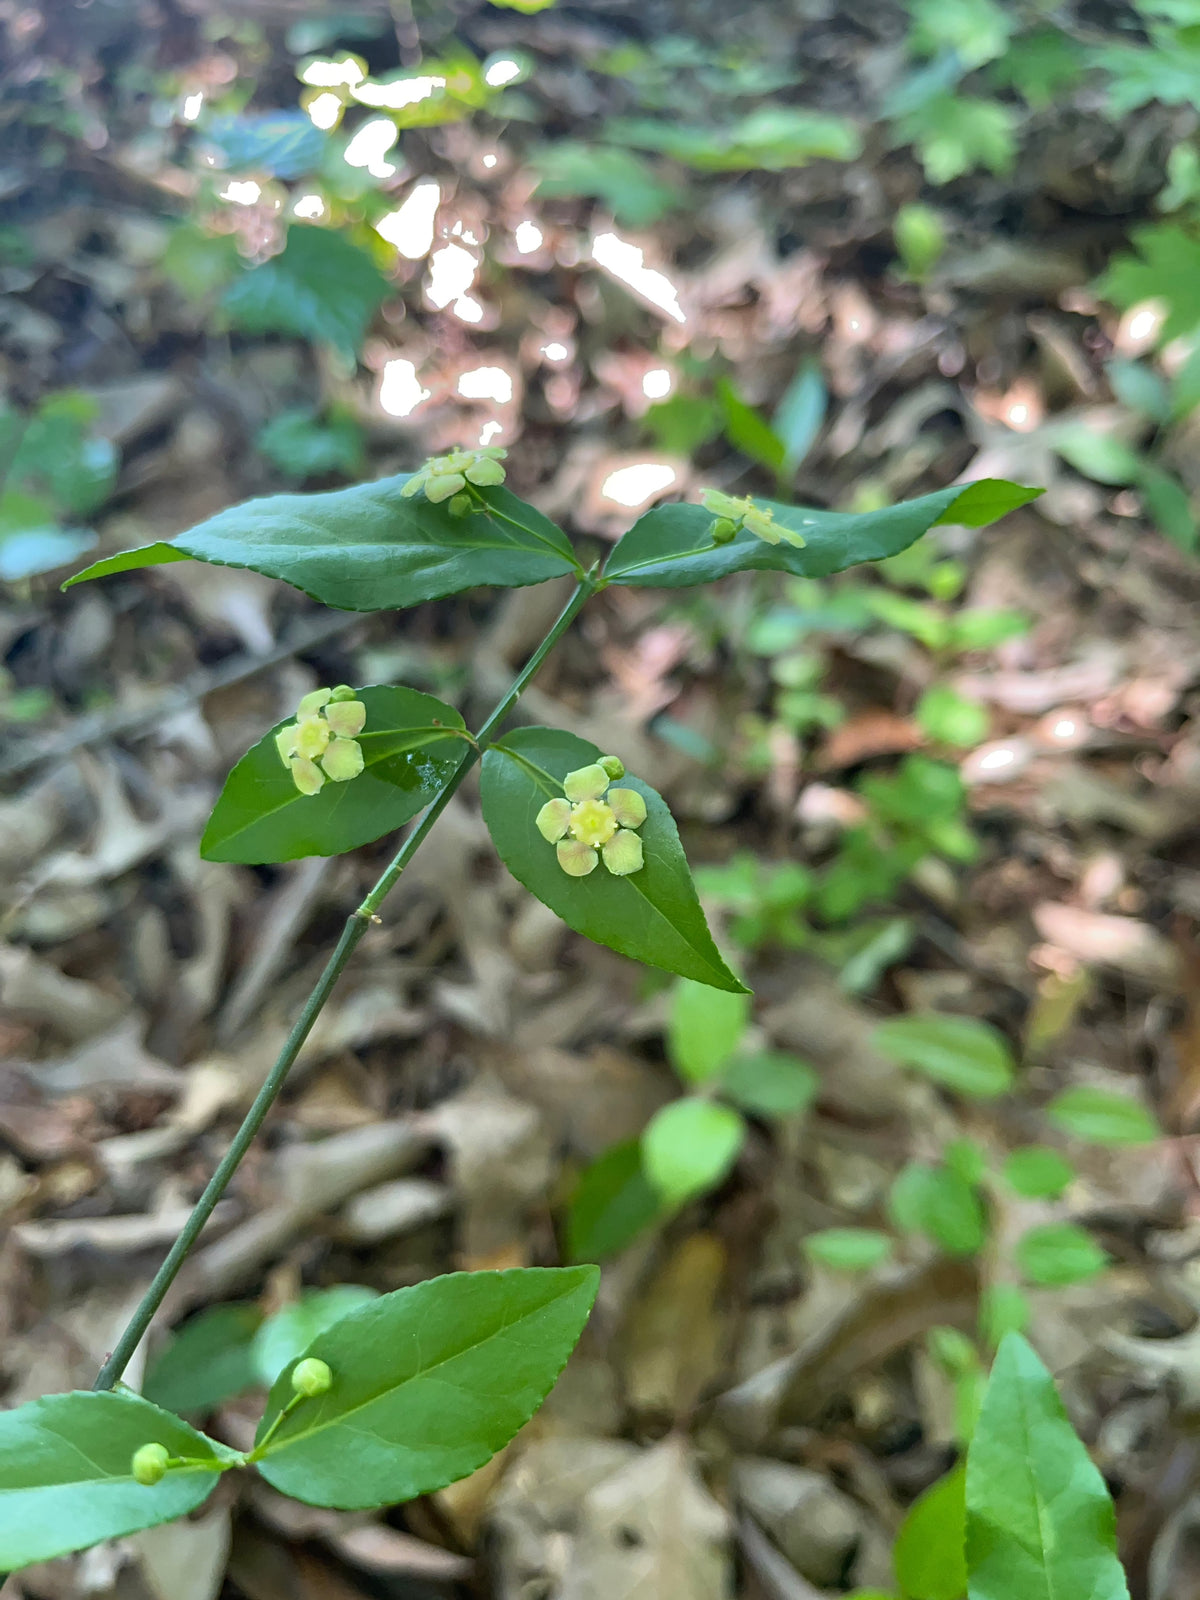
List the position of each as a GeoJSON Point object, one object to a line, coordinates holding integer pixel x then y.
{"type": "Point", "coordinates": [356, 925]}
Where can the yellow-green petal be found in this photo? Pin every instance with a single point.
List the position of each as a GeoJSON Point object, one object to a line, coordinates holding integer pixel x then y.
{"type": "Point", "coordinates": [312, 735]}
{"type": "Point", "coordinates": [346, 718]}
{"type": "Point", "coordinates": [485, 473]}
{"type": "Point", "coordinates": [576, 859]}
{"type": "Point", "coordinates": [553, 820]}
{"type": "Point", "coordinates": [441, 486]}
{"type": "Point", "coordinates": [627, 806]}
{"type": "Point", "coordinates": [593, 822]}
{"type": "Point", "coordinates": [307, 775]}
{"type": "Point", "coordinates": [343, 760]}
{"type": "Point", "coordinates": [312, 702]}
{"type": "Point", "coordinates": [285, 743]}
{"type": "Point", "coordinates": [586, 783]}
{"type": "Point", "coordinates": [623, 853]}
{"type": "Point", "coordinates": [724, 505]}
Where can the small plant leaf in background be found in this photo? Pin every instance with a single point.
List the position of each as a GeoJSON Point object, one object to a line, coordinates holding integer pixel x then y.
{"type": "Point", "coordinates": [284, 144]}
{"type": "Point", "coordinates": [920, 236]}
{"type": "Point", "coordinates": [65, 1473]}
{"type": "Point", "coordinates": [940, 1203]}
{"type": "Point", "coordinates": [286, 1335]}
{"type": "Point", "coordinates": [629, 188]}
{"type": "Point", "coordinates": [1166, 267]}
{"type": "Point", "coordinates": [1037, 1172]}
{"type": "Point", "coordinates": [671, 546]}
{"type": "Point", "coordinates": [613, 1203]}
{"type": "Point", "coordinates": [689, 1147]}
{"type": "Point", "coordinates": [955, 133]}
{"type": "Point", "coordinates": [52, 471]}
{"type": "Point", "coordinates": [1003, 1309]}
{"type": "Point", "coordinates": [653, 915]}
{"type": "Point", "coordinates": [929, 1552]}
{"type": "Point", "coordinates": [749, 431]}
{"type": "Point", "coordinates": [848, 1249]}
{"type": "Point", "coordinates": [960, 1053]}
{"type": "Point", "coordinates": [428, 1383]}
{"type": "Point", "coordinates": [367, 548]}
{"type": "Point", "coordinates": [209, 1360]}
{"type": "Point", "coordinates": [704, 1028]}
{"type": "Point", "coordinates": [1040, 1523]}
{"type": "Point", "coordinates": [950, 718]}
{"type": "Point", "coordinates": [260, 814]}
{"type": "Point", "coordinates": [1102, 1117]}
{"type": "Point", "coordinates": [799, 415]}
{"type": "Point", "coordinates": [303, 446]}
{"type": "Point", "coordinates": [770, 1083]}
{"type": "Point", "coordinates": [1058, 1253]}
{"type": "Point", "coordinates": [322, 287]}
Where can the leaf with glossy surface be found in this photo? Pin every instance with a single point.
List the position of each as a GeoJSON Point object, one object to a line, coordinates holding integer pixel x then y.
{"type": "Point", "coordinates": [65, 1478]}
{"type": "Point", "coordinates": [262, 816]}
{"type": "Point", "coordinates": [704, 1028]}
{"type": "Point", "coordinates": [957, 1052]}
{"type": "Point", "coordinates": [428, 1383]}
{"type": "Point", "coordinates": [208, 1361]}
{"type": "Point", "coordinates": [284, 1337]}
{"type": "Point", "coordinates": [321, 287]}
{"type": "Point", "coordinates": [1040, 1523]}
{"type": "Point", "coordinates": [929, 1554]}
{"type": "Point", "coordinates": [671, 546]}
{"type": "Point", "coordinates": [613, 1203]}
{"type": "Point", "coordinates": [367, 548]}
{"type": "Point", "coordinates": [690, 1146]}
{"type": "Point", "coordinates": [653, 915]}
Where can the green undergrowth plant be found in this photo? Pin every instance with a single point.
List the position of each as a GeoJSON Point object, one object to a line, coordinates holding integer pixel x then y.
{"type": "Point", "coordinates": [397, 1395]}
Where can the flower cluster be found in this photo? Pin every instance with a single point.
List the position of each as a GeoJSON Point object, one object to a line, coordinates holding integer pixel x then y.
{"type": "Point", "coordinates": [444, 476]}
{"type": "Point", "coordinates": [732, 514]}
{"type": "Point", "coordinates": [323, 741]}
{"type": "Point", "coordinates": [594, 822]}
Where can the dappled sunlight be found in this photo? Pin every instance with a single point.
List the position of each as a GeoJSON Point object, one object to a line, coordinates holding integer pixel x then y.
{"type": "Point", "coordinates": [637, 485]}
{"type": "Point", "coordinates": [452, 271]}
{"type": "Point", "coordinates": [486, 383]}
{"type": "Point", "coordinates": [627, 263]}
{"type": "Point", "coordinates": [325, 111]}
{"type": "Point", "coordinates": [400, 390]}
{"type": "Point", "coordinates": [370, 145]}
{"type": "Point", "coordinates": [395, 96]}
{"type": "Point", "coordinates": [411, 227]}
{"type": "Point", "coordinates": [343, 74]}
{"type": "Point", "coordinates": [527, 237]}
{"type": "Point", "coordinates": [242, 192]}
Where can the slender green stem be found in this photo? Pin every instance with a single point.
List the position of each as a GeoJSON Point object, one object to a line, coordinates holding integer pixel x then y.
{"type": "Point", "coordinates": [356, 925]}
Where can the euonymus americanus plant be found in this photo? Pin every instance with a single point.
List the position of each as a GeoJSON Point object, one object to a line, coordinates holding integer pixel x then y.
{"type": "Point", "coordinates": [406, 1392]}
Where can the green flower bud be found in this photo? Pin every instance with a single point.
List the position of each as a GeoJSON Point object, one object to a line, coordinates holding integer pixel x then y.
{"type": "Point", "coordinates": [312, 1377]}
{"type": "Point", "coordinates": [460, 505]}
{"type": "Point", "coordinates": [613, 765]}
{"type": "Point", "coordinates": [149, 1464]}
{"type": "Point", "coordinates": [585, 783]}
{"type": "Point", "coordinates": [342, 761]}
{"type": "Point", "coordinates": [313, 701]}
{"type": "Point", "coordinates": [627, 806]}
{"type": "Point", "coordinates": [623, 853]}
{"type": "Point", "coordinates": [576, 858]}
{"type": "Point", "coordinates": [723, 530]}
{"type": "Point", "coordinates": [346, 718]}
{"type": "Point", "coordinates": [342, 692]}
{"type": "Point", "coordinates": [553, 820]}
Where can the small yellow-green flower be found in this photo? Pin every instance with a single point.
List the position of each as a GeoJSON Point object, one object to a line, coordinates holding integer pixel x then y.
{"type": "Point", "coordinates": [322, 744]}
{"type": "Point", "coordinates": [594, 822]}
{"type": "Point", "coordinates": [442, 477]}
{"type": "Point", "coordinates": [732, 513]}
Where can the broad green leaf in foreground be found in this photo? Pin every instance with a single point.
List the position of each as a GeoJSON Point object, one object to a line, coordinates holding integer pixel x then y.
{"type": "Point", "coordinates": [262, 816]}
{"type": "Point", "coordinates": [65, 1478]}
{"type": "Point", "coordinates": [652, 915]}
{"type": "Point", "coordinates": [209, 1360]}
{"type": "Point", "coordinates": [367, 548]}
{"type": "Point", "coordinates": [689, 1147]}
{"type": "Point", "coordinates": [928, 1557]}
{"type": "Point", "coordinates": [671, 546]}
{"type": "Point", "coordinates": [428, 1383]}
{"type": "Point", "coordinates": [1040, 1523]}
{"type": "Point", "coordinates": [959, 1052]}
{"type": "Point", "coordinates": [284, 1337]}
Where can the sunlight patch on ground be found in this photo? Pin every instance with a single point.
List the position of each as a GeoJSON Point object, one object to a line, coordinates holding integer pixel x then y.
{"type": "Point", "coordinates": [635, 486]}
{"type": "Point", "coordinates": [410, 227]}
{"type": "Point", "coordinates": [400, 390]}
{"type": "Point", "coordinates": [627, 263]}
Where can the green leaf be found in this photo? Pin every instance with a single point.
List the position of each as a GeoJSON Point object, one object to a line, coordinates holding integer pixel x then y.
{"type": "Point", "coordinates": [950, 718]}
{"type": "Point", "coordinates": [690, 1146]}
{"type": "Point", "coordinates": [976, 30]}
{"type": "Point", "coordinates": [1141, 388]}
{"type": "Point", "coordinates": [627, 186]}
{"type": "Point", "coordinates": [262, 816]}
{"type": "Point", "coordinates": [613, 1203]}
{"type": "Point", "coordinates": [1059, 1253]}
{"type": "Point", "coordinates": [671, 546]}
{"type": "Point", "coordinates": [65, 1479]}
{"type": "Point", "coordinates": [652, 915]}
{"type": "Point", "coordinates": [1166, 267]}
{"type": "Point", "coordinates": [1102, 1117]}
{"type": "Point", "coordinates": [200, 263]}
{"type": "Point", "coordinates": [770, 139]}
{"type": "Point", "coordinates": [704, 1028]}
{"type": "Point", "coordinates": [920, 236]}
{"type": "Point", "coordinates": [208, 1361]}
{"type": "Point", "coordinates": [1038, 1172]}
{"type": "Point", "coordinates": [929, 1556]}
{"type": "Point", "coordinates": [958, 1052]}
{"type": "Point", "coordinates": [849, 1249]}
{"type": "Point", "coordinates": [799, 415]}
{"type": "Point", "coordinates": [303, 447]}
{"type": "Point", "coordinates": [1169, 504]}
{"type": "Point", "coordinates": [367, 548]}
{"type": "Point", "coordinates": [955, 133]}
{"type": "Point", "coordinates": [284, 1337]}
{"type": "Point", "coordinates": [1003, 1309]}
{"type": "Point", "coordinates": [941, 1204]}
{"type": "Point", "coordinates": [770, 1083]}
{"type": "Point", "coordinates": [1103, 457]}
{"type": "Point", "coordinates": [322, 287]}
{"type": "Point", "coordinates": [748, 431]}
{"type": "Point", "coordinates": [284, 144]}
{"type": "Point", "coordinates": [1040, 1523]}
{"type": "Point", "coordinates": [428, 1383]}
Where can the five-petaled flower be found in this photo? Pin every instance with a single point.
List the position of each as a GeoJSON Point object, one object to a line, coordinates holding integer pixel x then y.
{"type": "Point", "coordinates": [444, 476]}
{"type": "Point", "coordinates": [594, 822]}
{"type": "Point", "coordinates": [323, 741]}
{"type": "Point", "coordinates": [733, 513]}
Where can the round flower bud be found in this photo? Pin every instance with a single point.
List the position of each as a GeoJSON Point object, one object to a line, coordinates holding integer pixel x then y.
{"type": "Point", "coordinates": [613, 765]}
{"type": "Point", "coordinates": [553, 820]}
{"type": "Point", "coordinates": [149, 1464]}
{"type": "Point", "coordinates": [346, 718]}
{"type": "Point", "coordinates": [576, 858]}
{"type": "Point", "coordinates": [342, 692]}
{"type": "Point", "coordinates": [623, 853]}
{"type": "Point", "coordinates": [313, 701]}
{"type": "Point", "coordinates": [723, 530]}
{"type": "Point", "coordinates": [311, 1377]}
{"type": "Point", "coordinates": [460, 505]}
{"type": "Point", "coordinates": [627, 806]}
{"type": "Point", "coordinates": [586, 783]}
{"type": "Point", "coordinates": [343, 760]}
